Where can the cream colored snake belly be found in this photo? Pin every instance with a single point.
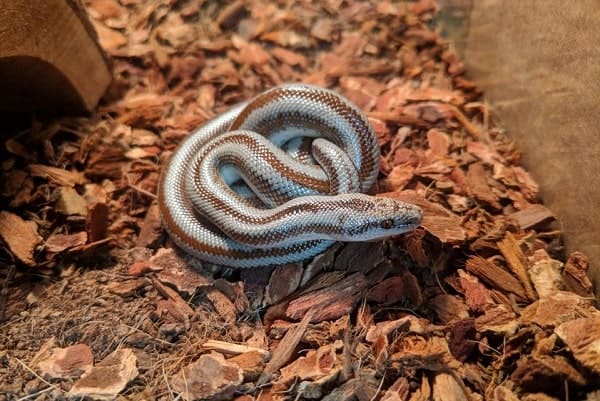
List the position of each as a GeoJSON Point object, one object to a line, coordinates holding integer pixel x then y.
{"type": "Point", "coordinates": [278, 180]}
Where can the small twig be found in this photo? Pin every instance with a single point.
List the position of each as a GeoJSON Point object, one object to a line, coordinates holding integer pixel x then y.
{"type": "Point", "coordinates": [34, 394]}
{"type": "Point", "coordinates": [36, 375]}
{"type": "Point", "coordinates": [439, 283]}
{"type": "Point", "coordinates": [142, 191]}
{"type": "Point", "coordinates": [485, 345]}
{"type": "Point", "coordinates": [169, 389]}
{"type": "Point", "coordinates": [378, 388]}
{"type": "Point", "coordinates": [464, 121]}
{"type": "Point", "coordinates": [138, 189]}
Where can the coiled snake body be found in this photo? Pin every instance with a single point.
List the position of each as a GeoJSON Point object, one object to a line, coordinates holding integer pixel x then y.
{"type": "Point", "coordinates": [277, 180]}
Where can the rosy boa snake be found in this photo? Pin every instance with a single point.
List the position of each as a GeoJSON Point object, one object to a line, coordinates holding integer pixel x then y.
{"type": "Point", "coordinates": [233, 197]}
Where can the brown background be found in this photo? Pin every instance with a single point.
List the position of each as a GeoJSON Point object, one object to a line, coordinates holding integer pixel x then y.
{"type": "Point", "coordinates": [539, 64]}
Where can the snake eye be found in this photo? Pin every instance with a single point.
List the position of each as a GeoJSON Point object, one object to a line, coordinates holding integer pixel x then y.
{"type": "Point", "coordinates": [387, 223]}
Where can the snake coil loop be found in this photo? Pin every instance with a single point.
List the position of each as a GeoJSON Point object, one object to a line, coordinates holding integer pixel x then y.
{"type": "Point", "coordinates": [277, 180]}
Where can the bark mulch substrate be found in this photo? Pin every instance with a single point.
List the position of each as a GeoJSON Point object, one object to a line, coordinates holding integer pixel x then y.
{"type": "Point", "coordinates": [478, 303]}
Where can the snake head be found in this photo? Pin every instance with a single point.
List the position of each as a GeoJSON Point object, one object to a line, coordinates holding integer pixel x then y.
{"type": "Point", "coordinates": [376, 218]}
{"type": "Point", "coordinates": [396, 217]}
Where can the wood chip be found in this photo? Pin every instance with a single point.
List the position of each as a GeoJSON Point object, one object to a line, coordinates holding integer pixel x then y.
{"type": "Point", "coordinates": [57, 175]}
{"type": "Point", "coordinates": [478, 180]}
{"type": "Point", "coordinates": [360, 256]}
{"type": "Point", "coordinates": [224, 307]}
{"type": "Point", "coordinates": [532, 216]}
{"type": "Point", "coordinates": [230, 15]}
{"type": "Point", "coordinates": [576, 275]}
{"type": "Point", "coordinates": [286, 347]}
{"type": "Point", "coordinates": [209, 377]}
{"type": "Point", "coordinates": [284, 281]}
{"type": "Point", "coordinates": [517, 262]}
{"type": "Point", "coordinates": [396, 289]}
{"type": "Point", "coordinates": [441, 223]}
{"type": "Point", "coordinates": [127, 288]}
{"type": "Point", "coordinates": [315, 365]}
{"type": "Point", "coordinates": [65, 363]}
{"type": "Point", "coordinates": [227, 348]}
{"type": "Point", "coordinates": [330, 302]}
{"type": "Point", "coordinates": [398, 391]}
{"type": "Point", "coordinates": [449, 308]}
{"type": "Point", "coordinates": [251, 363]}
{"type": "Point", "coordinates": [448, 387]}
{"type": "Point", "coordinates": [176, 272]}
{"type": "Point", "coordinates": [495, 276]}
{"type": "Point", "coordinates": [59, 242]}
{"type": "Point", "coordinates": [545, 274]}
{"type": "Point", "coordinates": [535, 372]}
{"type": "Point", "coordinates": [21, 236]}
{"type": "Point", "coordinates": [108, 378]}
{"type": "Point", "coordinates": [582, 336]}
{"type": "Point", "coordinates": [151, 231]}
{"type": "Point", "coordinates": [559, 308]}
{"type": "Point", "coordinates": [477, 296]}
{"type": "Point", "coordinates": [498, 319]}
{"type": "Point", "coordinates": [354, 389]}
{"type": "Point", "coordinates": [175, 306]}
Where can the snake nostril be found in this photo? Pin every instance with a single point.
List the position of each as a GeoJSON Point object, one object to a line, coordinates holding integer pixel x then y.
{"type": "Point", "coordinates": [416, 220]}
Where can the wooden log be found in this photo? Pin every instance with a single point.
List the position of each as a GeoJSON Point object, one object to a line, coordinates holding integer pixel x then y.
{"type": "Point", "coordinates": [50, 59]}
